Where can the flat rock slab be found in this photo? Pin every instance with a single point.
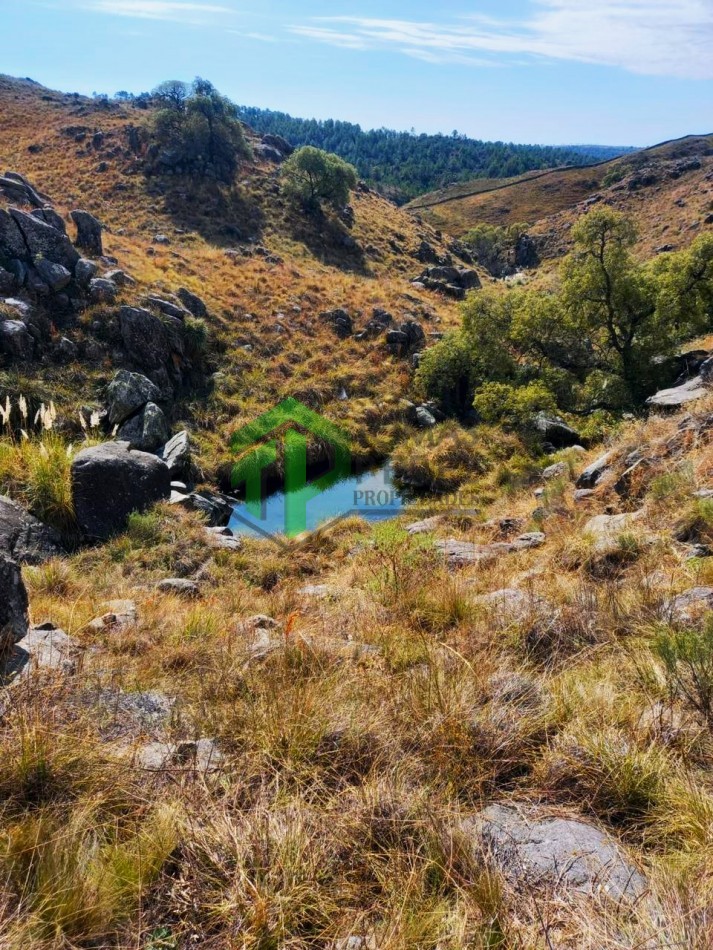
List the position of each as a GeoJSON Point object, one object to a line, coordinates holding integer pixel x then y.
{"type": "Point", "coordinates": [509, 605]}
{"type": "Point", "coordinates": [179, 586]}
{"type": "Point", "coordinates": [607, 530]}
{"type": "Point", "coordinates": [423, 527]}
{"type": "Point", "coordinates": [462, 553]}
{"type": "Point", "coordinates": [566, 854]}
{"type": "Point", "coordinates": [118, 615]}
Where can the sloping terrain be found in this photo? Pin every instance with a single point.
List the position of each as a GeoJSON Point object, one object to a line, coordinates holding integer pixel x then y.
{"type": "Point", "coordinates": [666, 188]}
{"type": "Point", "coordinates": [265, 271]}
{"type": "Point", "coordinates": [487, 723]}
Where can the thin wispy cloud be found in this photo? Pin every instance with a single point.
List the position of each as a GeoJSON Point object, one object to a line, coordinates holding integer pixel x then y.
{"type": "Point", "coordinates": [650, 37]}
{"type": "Point", "coordinates": [181, 11]}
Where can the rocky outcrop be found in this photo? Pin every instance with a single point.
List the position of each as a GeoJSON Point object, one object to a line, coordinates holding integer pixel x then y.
{"type": "Point", "coordinates": [192, 302]}
{"type": "Point", "coordinates": [145, 337]}
{"type": "Point", "coordinates": [405, 339]}
{"type": "Point", "coordinates": [24, 538]}
{"type": "Point", "coordinates": [13, 604]}
{"type": "Point", "coordinates": [593, 473]}
{"type": "Point", "coordinates": [110, 481]}
{"type": "Point", "coordinates": [176, 453]}
{"type": "Point", "coordinates": [555, 432]}
{"type": "Point", "coordinates": [451, 281]}
{"type": "Point", "coordinates": [44, 241]}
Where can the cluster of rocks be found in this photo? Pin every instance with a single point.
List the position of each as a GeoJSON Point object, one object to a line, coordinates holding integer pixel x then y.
{"type": "Point", "coordinates": [448, 280]}
{"type": "Point", "coordinates": [403, 339]}
{"type": "Point", "coordinates": [695, 381]}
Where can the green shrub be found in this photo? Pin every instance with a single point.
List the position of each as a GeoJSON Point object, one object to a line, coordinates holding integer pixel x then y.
{"type": "Point", "coordinates": [688, 662]}
{"type": "Point", "coordinates": [315, 177]}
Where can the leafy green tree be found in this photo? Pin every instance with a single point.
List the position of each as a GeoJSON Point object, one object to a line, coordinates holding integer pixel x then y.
{"type": "Point", "coordinates": [197, 131]}
{"type": "Point", "coordinates": [448, 373]}
{"type": "Point", "coordinates": [315, 178]}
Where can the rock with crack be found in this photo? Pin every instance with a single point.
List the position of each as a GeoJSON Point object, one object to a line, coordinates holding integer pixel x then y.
{"type": "Point", "coordinates": [563, 854]}
{"type": "Point", "coordinates": [463, 553]}
{"type": "Point", "coordinates": [43, 241]}
{"type": "Point", "coordinates": [24, 538]}
{"type": "Point", "coordinates": [177, 454]}
{"type": "Point", "coordinates": [110, 481]}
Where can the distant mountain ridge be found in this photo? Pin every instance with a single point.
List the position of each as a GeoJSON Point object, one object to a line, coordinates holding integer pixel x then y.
{"type": "Point", "coordinates": [405, 165]}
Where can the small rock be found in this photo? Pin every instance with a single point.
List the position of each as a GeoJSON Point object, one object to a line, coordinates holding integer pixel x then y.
{"type": "Point", "coordinates": [13, 604]}
{"type": "Point", "coordinates": [558, 470]}
{"type": "Point", "coordinates": [179, 586]}
{"type": "Point", "coordinates": [594, 472]}
{"type": "Point", "coordinates": [690, 606]}
{"type": "Point", "coordinates": [119, 614]}
{"type": "Point", "coordinates": [102, 290]}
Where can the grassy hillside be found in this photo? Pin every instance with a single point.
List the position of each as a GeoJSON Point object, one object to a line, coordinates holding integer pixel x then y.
{"type": "Point", "coordinates": [647, 183]}
{"type": "Point", "coordinates": [487, 723]}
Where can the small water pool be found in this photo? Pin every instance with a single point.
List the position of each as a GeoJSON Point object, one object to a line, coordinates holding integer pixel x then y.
{"type": "Point", "coordinates": [371, 495]}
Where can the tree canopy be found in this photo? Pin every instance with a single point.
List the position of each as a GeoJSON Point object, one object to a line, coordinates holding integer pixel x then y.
{"type": "Point", "coordinates": [604, 338]}
{"type": "Point", "coordinates": [315, 178]}
{"type": "Point", "coordinates": [196, 131]}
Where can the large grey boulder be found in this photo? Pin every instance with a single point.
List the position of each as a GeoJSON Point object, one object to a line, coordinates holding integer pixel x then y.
{"type": "Point", "coordinates": [147, 431]}
{"type": "Point", "coordinates": [531, 848]}
{"type": "Point", "coordinates": [690, 606]}
{"type": "Point", "coordinates": [24, 538]}
{"type": "Point", "coordinates": [85, 271]}
{"type": "Point", "coordinates": [13, 604]}
{"type": "Point", "coordinates": [127, 393]}
{"type": "Point", "coordinates": [89, 232]}
{"type": "Point", "coordinates": [16, 187]}
{"type": "Point", "coordinates": [145, 337]}
{"type": "Point", "coordinates": [102, 290]}
{"type": "Point", "coordinates": [45, 647]}
{"type": "Point", "coordinates": [12, 244]}
{"type": "Point", "coordinates": [42, 240]}
{"type": "Point", "coordinates": [15, 341]}
{"type": "Point", "coordinates": [110, 481]}
{"type": "Point", "coordinates": [680, 395]}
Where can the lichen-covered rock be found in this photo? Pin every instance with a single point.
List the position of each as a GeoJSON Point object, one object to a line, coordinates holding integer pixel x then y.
{"type": "Point", "coordinates": [24, 538]}
{"type": "Point", "coordinates": [13, 604]}
{"type": "Point", "coordinates": [89, 232]}
{"type": "Point", "coordinates": [43, 241]}
{"type": "Point", "coordinates": [147, 431]}
{"type": "Point", "coordinates": [127, 393]}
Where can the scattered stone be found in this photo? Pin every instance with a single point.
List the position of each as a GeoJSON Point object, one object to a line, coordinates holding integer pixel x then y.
{"type": "Point", "coordinates": [54, 275]}
{"type": "Point", "coordinates": [84, 271]}
{"type": "Point", "coordinates": [192, 302]}
{"type": "Point", "coordinates": [120, 278]}
{"type": "Point", "coordinates": [24, 538]}
{"type": "Point", "coordinates": [340, 321]}
{"type": "Point", "coordinates": [555, 431]}
{"type": "Point", "coordinates": [531, 848]}
{"type": "Point", "coordinates": [179, 586]}
{"type": "Point", "coordinates": [508, 605]}
{"type": "Point", "coordinates": [119, 615]}
{"type": "Point", "coordinates": [16, 341]}
{"type": "Point", "coordinates": [201, 756]}
{"type": "Point", "coordinates": [110, 481]}
{"type": "Point", "coordinates": [161, 239]}
{"type": "Point", "coordinates": [319, 591]}
{"type": "Point", "coordinates": [680, 395]}
{"type": "Point", "coordinates": [558, 470]}
{"type": "Point", "coordinates": [423, 527]}
{"type": "Point", "coordinates": [176, 453]}
{"type": "Point", "coordinates": [583, 494]}
{"type": "Point", "coordinates": [129, 715]}
{"type": "Point", "coordinates": [424, 419]}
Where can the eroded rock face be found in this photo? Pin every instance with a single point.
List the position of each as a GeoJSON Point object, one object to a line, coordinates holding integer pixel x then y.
{"type": "Point", "coordinates": [145, 337]}
{"type": "Point", "coordinates": [531, 848]}
{"type": "Point", "coordinates": [13, 604]}
{"type": "Point", "coordinates": [110, 481]}
{"type": "Point", "coordinates": [690, 606]}
{"type": "Point", "coordinates": [593, 473]}
{"type": "Point", "coordinates": [42, 240]}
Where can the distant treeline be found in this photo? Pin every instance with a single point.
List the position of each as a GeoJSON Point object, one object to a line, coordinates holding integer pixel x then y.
{"type": "Point", "coordinates": [406, 165]}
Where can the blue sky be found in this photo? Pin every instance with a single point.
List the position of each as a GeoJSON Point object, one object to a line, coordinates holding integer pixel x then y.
{"type": "Point", "coordinates": [552, 71]}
